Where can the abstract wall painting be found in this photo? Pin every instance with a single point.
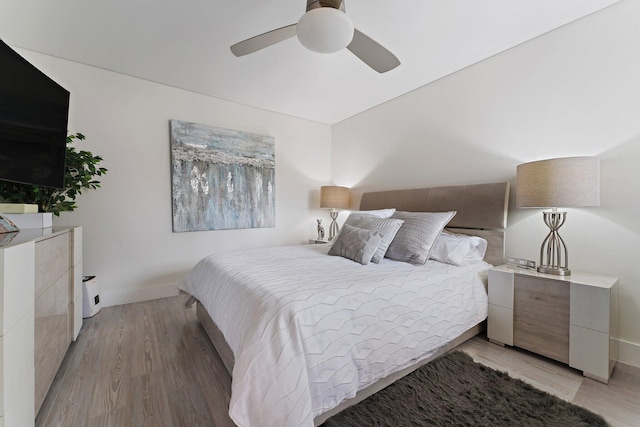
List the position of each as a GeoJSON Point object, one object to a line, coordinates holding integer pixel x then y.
{"type": "Point", "coordinates": [221, 178]}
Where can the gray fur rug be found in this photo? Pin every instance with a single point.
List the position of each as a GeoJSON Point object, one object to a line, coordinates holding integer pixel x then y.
{"type": "Point", "coordinates": [455, 391]}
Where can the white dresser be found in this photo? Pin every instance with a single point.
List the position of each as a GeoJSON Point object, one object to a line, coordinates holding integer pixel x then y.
{"type": "Point", "coordinates": [40, 313]}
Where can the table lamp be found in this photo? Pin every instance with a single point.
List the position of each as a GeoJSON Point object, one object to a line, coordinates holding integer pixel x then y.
{"type": "Point", "coordinates": [334, 198]}
{"type": "Point", "coordinates": [565, 182]}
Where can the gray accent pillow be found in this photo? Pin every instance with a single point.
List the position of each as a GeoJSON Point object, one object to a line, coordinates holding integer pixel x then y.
{"type": "Point", "coordinates": [352, 218]}
{"type": "Point", "coordinates": [388, 227]}
{"type": "Point", "coordinates": [357, 244]}
{"type": "Point", "coordinates": [416, 236]}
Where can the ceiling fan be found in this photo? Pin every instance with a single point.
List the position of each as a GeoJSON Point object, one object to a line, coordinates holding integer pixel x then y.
{"type": "Point", "coordinates": [325, 28]}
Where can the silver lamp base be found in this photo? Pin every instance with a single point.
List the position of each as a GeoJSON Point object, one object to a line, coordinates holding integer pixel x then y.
{"type": "Point", "coordinates": [553, 246]}
{"type": "Point", "coordinates": [554, 270]}
{"type": "Point", "coordinates": [333, 227]}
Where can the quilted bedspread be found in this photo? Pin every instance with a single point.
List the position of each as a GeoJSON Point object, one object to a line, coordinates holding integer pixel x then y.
{"type": "Point", "coordinates": [309, 330]}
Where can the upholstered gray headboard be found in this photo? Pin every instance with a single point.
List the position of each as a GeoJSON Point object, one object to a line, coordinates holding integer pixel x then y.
{"type": "Point", "coordinates": [481, 209]}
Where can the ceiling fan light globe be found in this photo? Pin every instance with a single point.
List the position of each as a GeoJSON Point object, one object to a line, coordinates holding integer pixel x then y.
{"type": "Point", "coordinates": [325, 30]}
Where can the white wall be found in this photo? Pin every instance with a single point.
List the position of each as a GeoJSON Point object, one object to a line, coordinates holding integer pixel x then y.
{"type": "Point", "coordinates": [128, 242]}
{"type": "Point", "coordinates": [574, 91]}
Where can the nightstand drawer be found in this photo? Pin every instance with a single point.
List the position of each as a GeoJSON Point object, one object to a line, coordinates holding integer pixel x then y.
{"type": "Point", "coordinates": [542, 335]}
{"type": "Point", "coordinates": [548, 298]}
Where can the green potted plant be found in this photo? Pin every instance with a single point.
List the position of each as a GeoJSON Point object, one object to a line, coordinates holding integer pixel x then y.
{"type": "Point", "coordinates": [81, 170]}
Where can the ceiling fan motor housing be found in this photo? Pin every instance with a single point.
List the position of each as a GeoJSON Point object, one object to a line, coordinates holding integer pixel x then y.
{"type": "Point", "coordinates": [325, 30]}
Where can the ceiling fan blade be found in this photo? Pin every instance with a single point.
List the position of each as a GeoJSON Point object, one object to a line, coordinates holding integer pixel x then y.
{"type": "Point", "coordinates": [261, 41]}
{"type": "Point", "coordinates": [372, 53]}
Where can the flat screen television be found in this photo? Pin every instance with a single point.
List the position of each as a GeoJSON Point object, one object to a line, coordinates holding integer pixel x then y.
{"type": "Point", "coordinates": [33, 123]}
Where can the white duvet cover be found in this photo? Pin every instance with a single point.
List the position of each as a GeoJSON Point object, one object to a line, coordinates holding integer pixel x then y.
{"type": "Point", "coordinates": [309, 330]}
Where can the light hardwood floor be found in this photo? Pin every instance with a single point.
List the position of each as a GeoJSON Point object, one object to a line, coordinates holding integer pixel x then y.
{"type": "Point", "coordinates": [151, 364]}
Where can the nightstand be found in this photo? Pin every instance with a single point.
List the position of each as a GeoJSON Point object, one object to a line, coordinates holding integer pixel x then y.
{"type": "Point", "coordinates": [572, 319]}
{"type": "Point", "coordinates": [317, 242]}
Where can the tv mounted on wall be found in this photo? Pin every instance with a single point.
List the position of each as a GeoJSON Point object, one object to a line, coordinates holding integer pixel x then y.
{"type": "Point", "coordinates": [33, 123]}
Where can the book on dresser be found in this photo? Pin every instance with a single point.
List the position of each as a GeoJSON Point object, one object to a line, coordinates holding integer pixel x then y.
{"type": "Point", "coordinates": [18, 208]}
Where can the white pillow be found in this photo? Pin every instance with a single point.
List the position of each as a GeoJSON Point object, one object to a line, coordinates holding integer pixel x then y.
{"type": "Point", "coordinates": [458, 249]}
{"type": "Point", "coordinates": [380, 213]}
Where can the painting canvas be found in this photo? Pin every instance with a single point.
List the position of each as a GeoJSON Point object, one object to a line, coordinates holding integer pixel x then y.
{"type": "Point", "coordinates": [221, 178]}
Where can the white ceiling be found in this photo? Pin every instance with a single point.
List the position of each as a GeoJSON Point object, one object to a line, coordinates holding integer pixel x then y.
{"type": "Point", "coordinates": [186, 44]}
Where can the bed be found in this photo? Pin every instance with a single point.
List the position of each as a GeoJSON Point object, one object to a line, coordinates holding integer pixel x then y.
{"type": "Point", "coordinates": [315, 336]}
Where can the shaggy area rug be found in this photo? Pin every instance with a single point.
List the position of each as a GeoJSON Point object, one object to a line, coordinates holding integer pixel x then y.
{"type": "Point", "coordinates": [455, 391]}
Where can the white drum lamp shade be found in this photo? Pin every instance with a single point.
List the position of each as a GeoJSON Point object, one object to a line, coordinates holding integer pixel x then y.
{"type": "Point", "coordinates": [334, 198]}
{"type": "Point", "coordinates": [566, 182]}
{"type": "Point", "coordinates": [325, 30]}
{"type": "Point", "coordinates": [557, 183]}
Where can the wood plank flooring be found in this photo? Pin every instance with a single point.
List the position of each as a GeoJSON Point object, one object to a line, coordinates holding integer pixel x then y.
{"type": "Point", "coordinates": [151, 364]}
{"type": "Point", "coordinates": [142, 364]}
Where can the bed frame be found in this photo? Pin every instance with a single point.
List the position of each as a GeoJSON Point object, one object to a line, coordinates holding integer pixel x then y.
{"type": "Point", "coordinates": [481, 211]}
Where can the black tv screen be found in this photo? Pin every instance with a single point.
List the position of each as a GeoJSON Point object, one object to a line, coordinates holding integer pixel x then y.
{"type": "Point", "coordinates": [33, 123]}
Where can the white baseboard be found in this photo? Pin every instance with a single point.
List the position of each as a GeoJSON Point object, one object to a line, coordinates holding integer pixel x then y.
{"type": "Point", "coordinates": [109, 297]}
{"type": "Point", "coordinates": [628, 353]}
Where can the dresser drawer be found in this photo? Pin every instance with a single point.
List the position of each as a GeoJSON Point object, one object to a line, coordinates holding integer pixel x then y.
{"type": "Point", "coordinates": [548, 298]}
{"type": "Point", "coordinates": [53, 279]}
{"type": "Point", "coordinates": [52, 261]}
{"type": "Point", "coordinates": [541, 316]}
{"type": "Point", "coordinates": [52, 336]}
{"type": "Point", "coordinates": [541, 335]}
